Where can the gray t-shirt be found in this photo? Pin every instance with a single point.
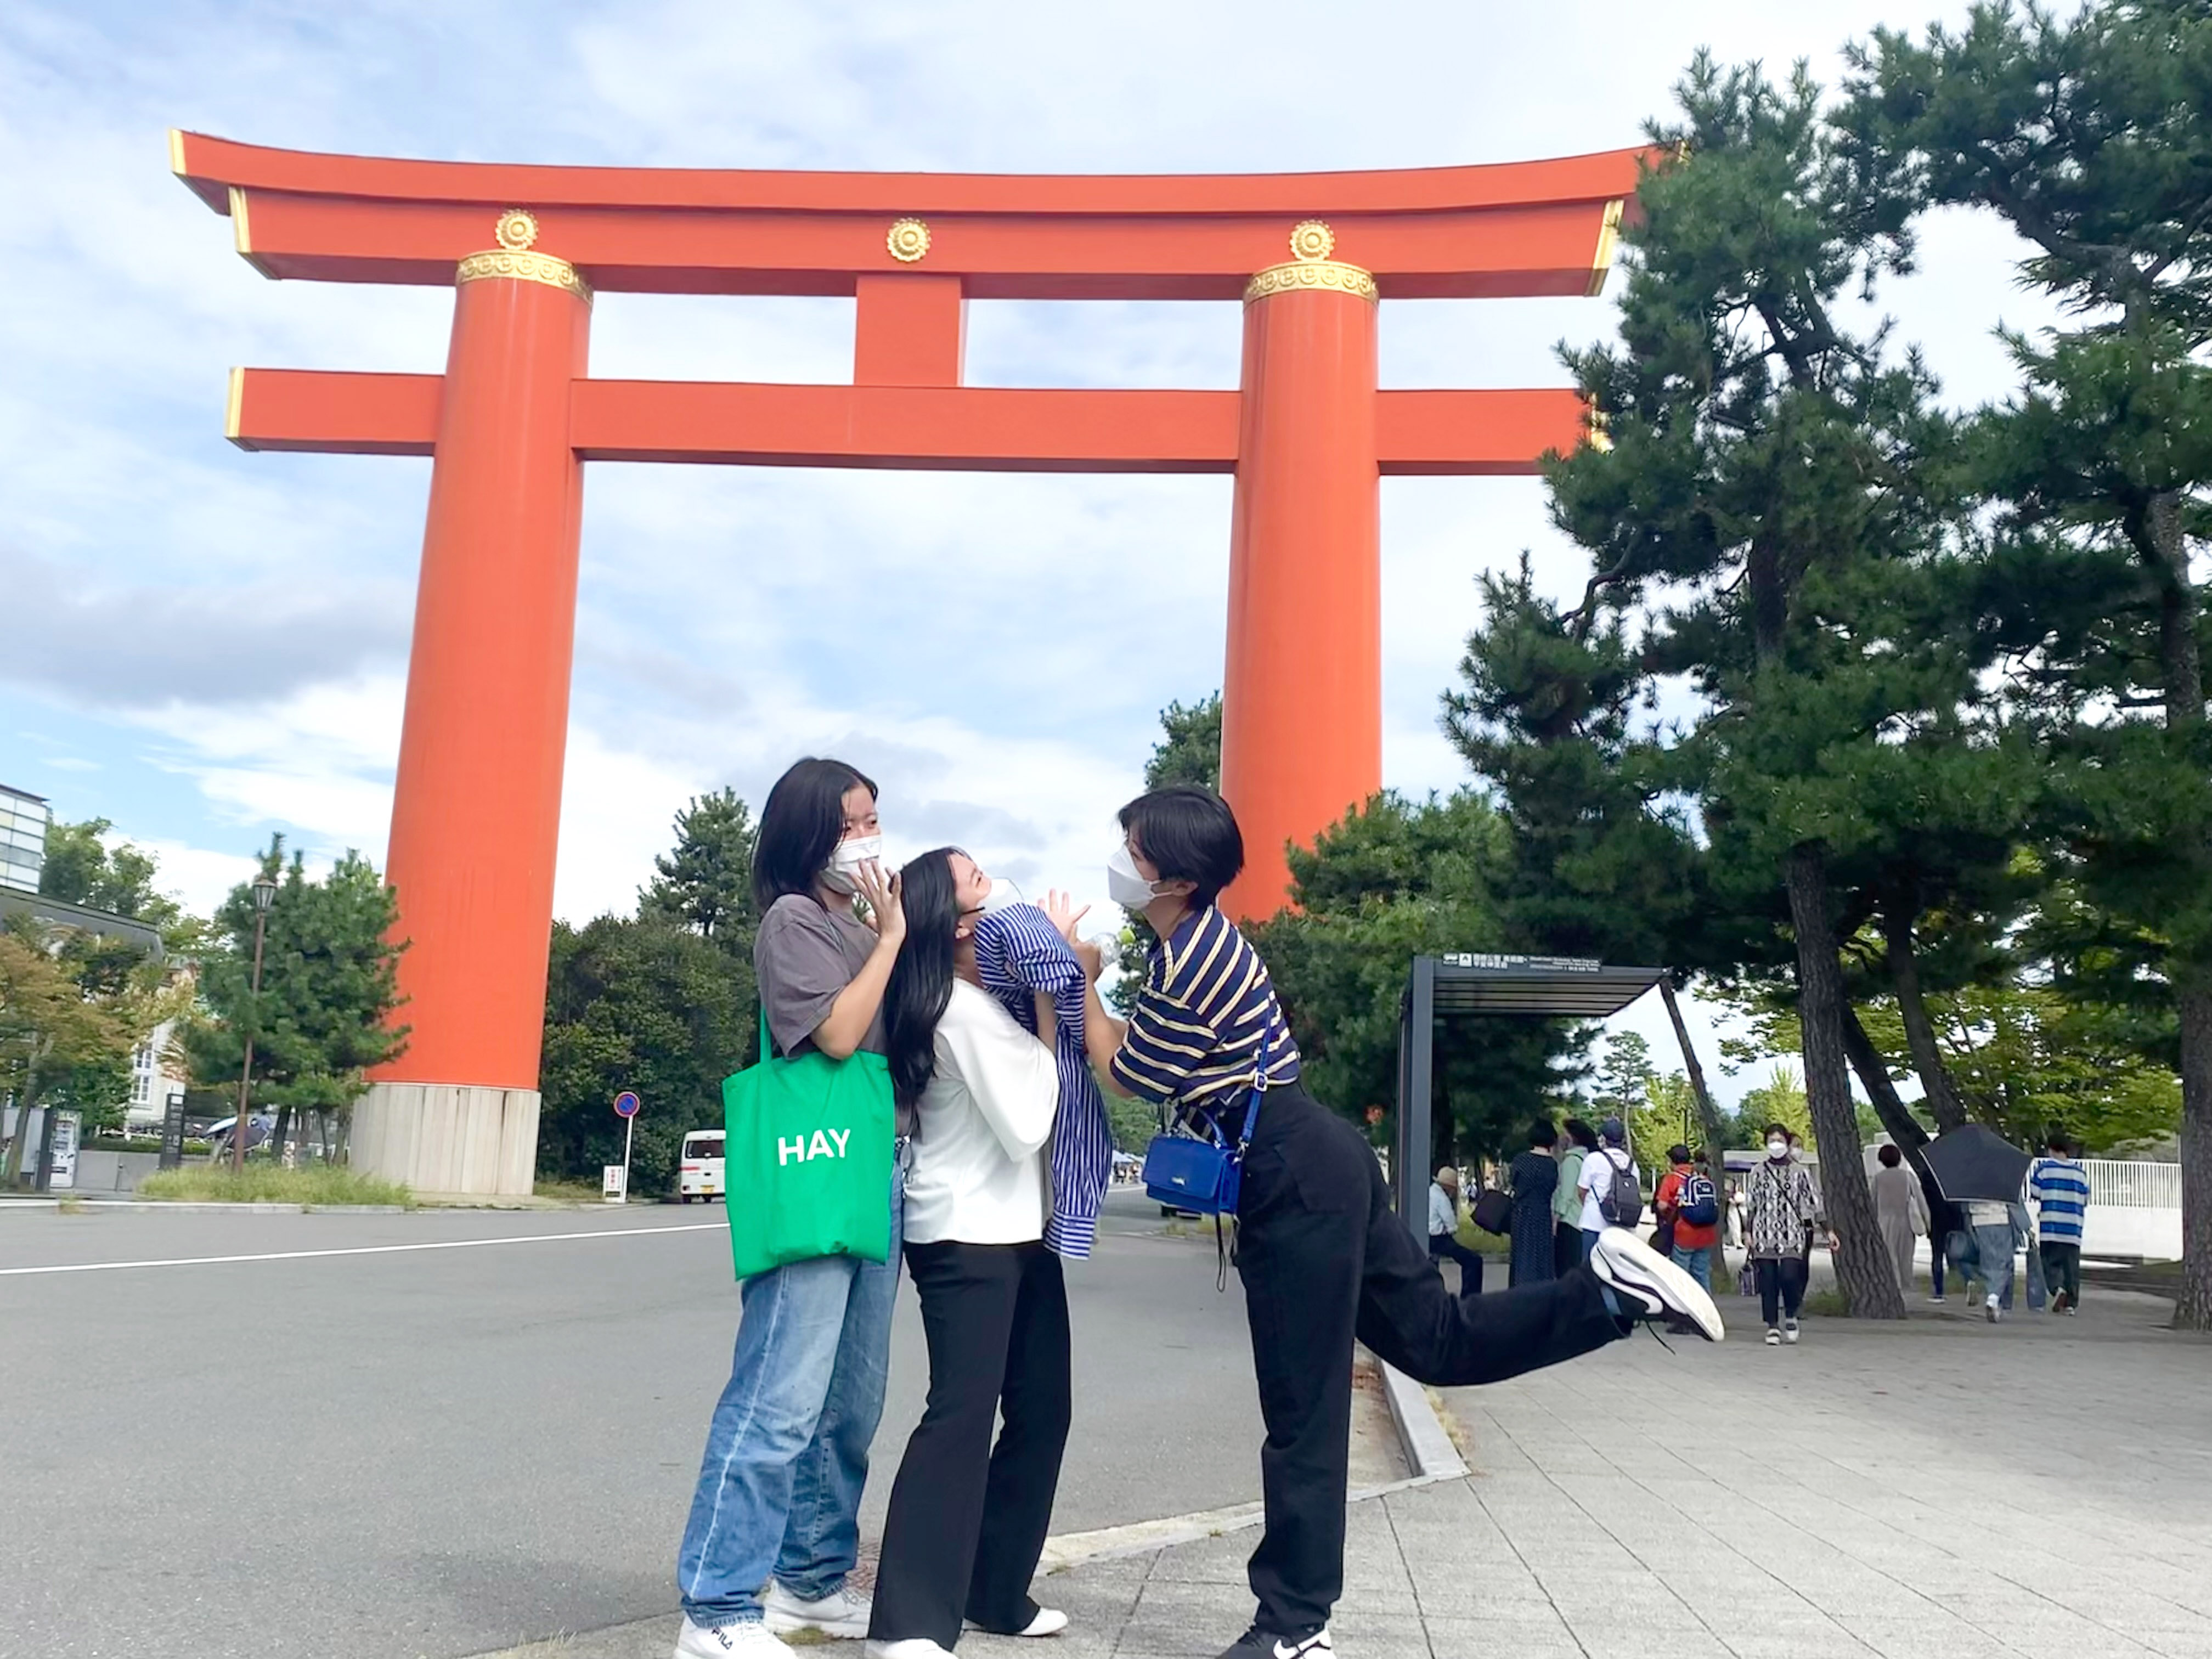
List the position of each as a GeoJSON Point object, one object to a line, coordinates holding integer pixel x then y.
{"type": "Point", "coordinates": [804, 957]}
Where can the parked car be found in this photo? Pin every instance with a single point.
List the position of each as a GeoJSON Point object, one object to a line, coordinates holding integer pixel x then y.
{"type": "Point", "coordinates": [698, 1171]}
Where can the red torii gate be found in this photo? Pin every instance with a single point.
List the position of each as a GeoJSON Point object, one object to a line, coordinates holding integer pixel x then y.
{"type": "Point", "coordinates": [476, 807]}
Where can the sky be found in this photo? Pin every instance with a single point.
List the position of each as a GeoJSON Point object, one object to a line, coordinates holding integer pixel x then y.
{"type": "Point", "coordinates": [206, 646]}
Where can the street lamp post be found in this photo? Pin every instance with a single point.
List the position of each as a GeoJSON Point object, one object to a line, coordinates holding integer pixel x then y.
{"type": "Point", "coordinates": [265, 894]}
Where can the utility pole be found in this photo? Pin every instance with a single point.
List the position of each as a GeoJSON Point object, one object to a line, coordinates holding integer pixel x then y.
{"type": "Point", "coordinates": [264, 893]}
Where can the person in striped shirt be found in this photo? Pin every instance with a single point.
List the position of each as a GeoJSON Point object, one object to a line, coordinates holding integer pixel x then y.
{"type": "Point", "coordinates": [1322, 1257]}
{"type": "Point", "coordinates": [2060, 1187]}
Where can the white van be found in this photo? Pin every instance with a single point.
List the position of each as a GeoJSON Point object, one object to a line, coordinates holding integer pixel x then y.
{"type": "Point", "coordinates": [699, 1175]}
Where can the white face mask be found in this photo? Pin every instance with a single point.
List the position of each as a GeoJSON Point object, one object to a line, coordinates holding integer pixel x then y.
{"type": "Point", "coordinates": [1777, 1150]}
{"type": "Point", "coordinates": [1003, 893]}
{"type": "Point", "coordinates": [850, 854]}
{"type": "Point", "coordinates": [1125, 885]}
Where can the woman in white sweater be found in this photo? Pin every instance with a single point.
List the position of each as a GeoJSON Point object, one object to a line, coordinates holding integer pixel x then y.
{"type": "Point", "coordinates": [968, 1521]}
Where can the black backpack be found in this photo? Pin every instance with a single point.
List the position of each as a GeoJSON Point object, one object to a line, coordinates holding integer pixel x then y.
{"type": "Point", "coordinates": [1623, 1203]}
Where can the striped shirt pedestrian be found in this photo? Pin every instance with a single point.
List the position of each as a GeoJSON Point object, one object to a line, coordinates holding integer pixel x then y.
{"type": "Point", "coordinates": [2060, 1187]}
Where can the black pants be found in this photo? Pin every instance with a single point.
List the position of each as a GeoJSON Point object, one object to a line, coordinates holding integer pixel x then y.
{"type": "Point", "coordinates": [1443, 1247]}
{"type": "Point", "coordinates": [1566, 1249]}
{"type": "Point", "coordinates": [968, 1520]}
{"type": "Point", "coordinates": [1323, 1259]}
{"type": "Point", "coordinates": [1782, 1279]}
{"type": "Point", "coordinates": [2062, 1270]}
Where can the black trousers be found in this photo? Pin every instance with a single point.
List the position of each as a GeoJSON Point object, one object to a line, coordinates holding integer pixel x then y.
{"type": "Point", "coordinates": [967, 1519]}
{"type": "Point", "coordinates": [1324, 1259]}
{"type": "Point", "coordinates": [1781, 1279]}
{"type": "Point", "coordinates": [1566, 1249]}
{"type": "Point", "coordinates": [1443, 1247]}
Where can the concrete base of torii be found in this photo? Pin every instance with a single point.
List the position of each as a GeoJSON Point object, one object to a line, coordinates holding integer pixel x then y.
{"type": "Point", "coordinates": [447, 1138]}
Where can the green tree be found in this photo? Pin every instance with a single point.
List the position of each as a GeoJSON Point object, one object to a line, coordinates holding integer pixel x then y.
{"type": "Point", "coordinates": [73, 1006]}
{"type": "Point", "coordinates": [705, 882]}
{"type": "Point", "coordinates": [1624, 1074]}
{"type": "Point", "coordinates": [82, 868]}
{"type": "Point", "coordinates": [329, 991]}
{"type": "Point", "coordinates": [637, 1004]}
{"type": "Point", "coordinates": [1394, 880]}
{"type": "Point", "coordinates": [1788, 486]}
{"type": "Point", "coordinates": [2091, 135]}
{"type": "Point", "coordinates": [1189, 749]}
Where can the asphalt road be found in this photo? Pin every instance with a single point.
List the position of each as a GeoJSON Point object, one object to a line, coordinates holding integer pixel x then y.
{"type": "Point", "coordinates": [444, 1451]}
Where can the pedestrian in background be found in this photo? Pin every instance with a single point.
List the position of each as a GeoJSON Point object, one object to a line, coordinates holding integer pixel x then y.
{"type": "Point", "coordinates": [1567, 1202]}
{"type": "Point", "coordinates": [1688, 1205]}
{"type": "Point", "coordinates": [1609, 1166]}
{"type": "Point", "coordinates": [2060, 1187]}
{"type": "Point", "coordinates": [1900, 1210]}
{"type": "Point", "coordinates": [1533, 1179]}
{"type": "Point", "coordinates": [1782, 1210]}
{"type": "Point", "coordinates": [1997, 1229]}
{"type": "Point", "coordinates": [1444, 1231]}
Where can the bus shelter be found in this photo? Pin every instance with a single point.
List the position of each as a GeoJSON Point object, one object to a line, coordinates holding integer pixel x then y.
{"type": "Point", "coordinates": [1472, 985]}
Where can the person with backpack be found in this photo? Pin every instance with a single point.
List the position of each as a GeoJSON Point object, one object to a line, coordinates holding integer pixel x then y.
{"type": "Point", "coordinates": [1687, 1201]}
{"type": "Point", "coordinates": [1612, 1188]}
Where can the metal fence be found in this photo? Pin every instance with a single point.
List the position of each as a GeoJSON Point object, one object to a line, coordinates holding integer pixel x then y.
{"type": "Point", "coordinates": [2125, 1183]}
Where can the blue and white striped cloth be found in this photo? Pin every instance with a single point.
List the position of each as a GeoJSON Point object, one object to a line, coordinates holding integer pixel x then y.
{"type": "Point", "coordinates": [2060, 1187]}
{"type": "Point", "coordinates": [1018, 952]}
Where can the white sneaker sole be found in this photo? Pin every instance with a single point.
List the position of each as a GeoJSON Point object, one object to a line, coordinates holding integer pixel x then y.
{"type": "Point", "coordinates": [1632, 1268]}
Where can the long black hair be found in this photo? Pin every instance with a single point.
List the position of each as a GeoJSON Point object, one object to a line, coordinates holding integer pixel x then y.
{"type": "Point", "coordinates": [920, 984]}
{"type": "Point", "coordinates": [800, 827]}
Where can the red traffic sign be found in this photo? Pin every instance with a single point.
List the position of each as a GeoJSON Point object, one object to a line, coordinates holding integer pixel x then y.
{"type": "Point", "coordinates": [626, 1103]}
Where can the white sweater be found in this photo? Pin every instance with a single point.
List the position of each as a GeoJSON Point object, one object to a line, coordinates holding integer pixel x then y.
{"type": "Point", "coordinates": [979, 1173]}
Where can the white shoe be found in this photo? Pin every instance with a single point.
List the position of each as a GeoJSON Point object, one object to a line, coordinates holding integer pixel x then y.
{"type": "Point", "coordinates": [908, 1647]}
{"type": "Point", "coordinates": [1050, 1621]}
{"type": "Point", "coordinates": [1990, 1308]}
{"type": "Point", "coordinates": [1789, 1330]}
{"type": "Point", "coordinates": [1773, 1336]}
{"type": "Point", "coordinates": [843, 1612]}
{"type": "Point", "coordinates": [1647, 1283]}
{"type": "Point", "coordinates": [747, 1639]}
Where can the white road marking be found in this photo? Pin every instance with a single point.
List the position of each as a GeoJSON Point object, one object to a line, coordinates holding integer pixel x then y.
{"type": "Point", "coordinates": [363, 1249]}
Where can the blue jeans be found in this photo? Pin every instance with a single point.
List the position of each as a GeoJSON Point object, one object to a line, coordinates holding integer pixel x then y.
{"type": "Point", "coordinates": [1590, 1236]}
{"type": "Point", "coordinates": [788, 1450]}
{"type": "Point", "coordinates": [1697, 1263]}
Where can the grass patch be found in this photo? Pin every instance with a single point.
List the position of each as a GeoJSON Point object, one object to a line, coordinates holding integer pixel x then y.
{"type": "Point", "coordinates": [272, 1183]}
{"type": "Point", "coordinates": [1829, 1304]}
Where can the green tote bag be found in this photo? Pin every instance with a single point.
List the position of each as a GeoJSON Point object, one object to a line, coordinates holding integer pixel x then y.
{"type": "Point", "coordinates": [808, 1155]}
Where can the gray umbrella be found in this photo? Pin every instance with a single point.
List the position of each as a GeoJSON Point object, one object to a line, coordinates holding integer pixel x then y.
{"type": "Point", "coordinates": [1977, 1162]}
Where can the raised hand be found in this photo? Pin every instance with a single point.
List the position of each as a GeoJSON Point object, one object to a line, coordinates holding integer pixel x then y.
{"type": "Point", "coordinates": [1063, 912]}
{"type": "Point", "coordinates": [880, 890]}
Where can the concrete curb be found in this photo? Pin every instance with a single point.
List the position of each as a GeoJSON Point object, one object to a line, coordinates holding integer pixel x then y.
{"type": "Point", "coordinates": [1430, 1453]}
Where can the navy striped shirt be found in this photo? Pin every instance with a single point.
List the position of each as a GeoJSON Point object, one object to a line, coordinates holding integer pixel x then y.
{"type": "Point", "coordinates": [2060, 1187]}
{"type": "Point", "coordinates": [1018, 952]}
{"type": "Point", "coordinates": [1206, 1026]}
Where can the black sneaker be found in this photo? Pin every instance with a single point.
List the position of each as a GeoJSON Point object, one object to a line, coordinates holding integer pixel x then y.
{"type": "Point", "coordinates": [1257, 1643]}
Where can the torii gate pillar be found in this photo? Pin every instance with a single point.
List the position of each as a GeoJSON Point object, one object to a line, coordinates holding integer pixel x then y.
{"type": "Point", "coordinates": [1302, 690]}
{"type": "Point", "coordinates": [476, 807]}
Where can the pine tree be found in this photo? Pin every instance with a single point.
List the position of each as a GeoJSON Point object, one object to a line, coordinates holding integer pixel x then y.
{"type": "Point", "coordinates": [2091, 136]}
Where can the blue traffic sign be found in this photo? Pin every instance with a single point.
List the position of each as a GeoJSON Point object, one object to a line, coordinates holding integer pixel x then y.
{"type": "Point", "coordinates": [626, 1103]}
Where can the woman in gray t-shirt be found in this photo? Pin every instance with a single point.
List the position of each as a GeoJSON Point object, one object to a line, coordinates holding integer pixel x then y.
{"type": "Point", "coordinates": [779, 1492]}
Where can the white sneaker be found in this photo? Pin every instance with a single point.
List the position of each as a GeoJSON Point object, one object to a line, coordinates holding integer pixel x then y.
{"type": "Point", "coordinates": [1050, 1621]}
{"type": "Point", "coordinates": [1990, 1308]}
{"type": "Point", "coordinates": [1773, 1336]}
{"type": "Point", "coordinates": [748, 1639]}
{"type": "Point", "coordinates": [1647, 1283]}
{"type": "Point", "coordinates": [843, 1612]}
{"type": "Point", "coordinates": [1789, 1330]}
{"type": "Point", "coordinates": [908, 1647]}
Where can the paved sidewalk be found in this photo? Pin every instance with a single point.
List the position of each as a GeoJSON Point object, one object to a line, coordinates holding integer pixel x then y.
{"type": "Point", "coordinates": [1942, 1489]}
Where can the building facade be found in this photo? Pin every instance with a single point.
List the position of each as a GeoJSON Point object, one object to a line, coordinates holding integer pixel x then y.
{"type": "Point", "coordinates": [23, 821]}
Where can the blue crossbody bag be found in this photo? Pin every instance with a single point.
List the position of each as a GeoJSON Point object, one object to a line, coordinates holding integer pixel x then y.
{"type": "Point", "coordinates": [1188, 1172]}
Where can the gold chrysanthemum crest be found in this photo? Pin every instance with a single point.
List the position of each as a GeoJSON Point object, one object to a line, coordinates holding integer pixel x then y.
{"type": "Point", "coordinates": [908, 240]}
{"type": "Point", "coordinates": [1312, 239]}
{"type": "Point", "coordinates": [514, 257]}
{"type": "Point", "coordinates": [517, 229]}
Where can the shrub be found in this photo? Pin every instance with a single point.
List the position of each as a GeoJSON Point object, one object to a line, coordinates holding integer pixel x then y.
{"type": "Point", "coordinates": [271, 1183]}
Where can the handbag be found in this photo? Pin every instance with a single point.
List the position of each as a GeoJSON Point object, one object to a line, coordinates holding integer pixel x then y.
{"type": "Point", "coordinates": [1662, 1237]}
{"type": "Point", "coordinates": [1186, 1172]}
{"type": "Point", "coordinates": [808, 1148]}
{"type": "Point", "coordinates": [1493, 1212]}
